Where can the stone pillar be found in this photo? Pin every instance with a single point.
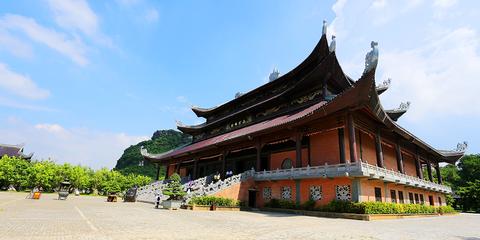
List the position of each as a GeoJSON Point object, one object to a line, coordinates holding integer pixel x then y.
{"type": "Point", "coordinates": [298, 150]}
{"type": "Point", "coordinates": [195, 168]}
{"type": "Point", "coordinates": [429, 171]}
{"type": "Point", "coordinates": [356, 190]}
{"type": "Point", "coordinates": [341, 144]}
{"type": "Point", "coordinates": [351, 138]}
{"type": "Point", "coordinates": [398, 151]}
{"type": "Point", "coordinates": [439, 175]}
{"type": "Point", "coordinates": [378, 149]}
{"type": "Point", "coordinates": [418, 166]}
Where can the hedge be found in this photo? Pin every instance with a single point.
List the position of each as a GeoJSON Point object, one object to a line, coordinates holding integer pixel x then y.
{"type": "Point", "coordinates": [363, 207]}
{"type": "Point", "coordinates": [212, 200]}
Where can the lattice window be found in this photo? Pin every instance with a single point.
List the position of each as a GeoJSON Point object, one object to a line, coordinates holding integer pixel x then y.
{"type": "Point", "coordinates": [343, 192]}
{"type": "Point", "coordinates": [315, 193]}
{"type": "Point", "coordinates": [287, 193]}
{"type": "Point", "coordinates": [267, 193]}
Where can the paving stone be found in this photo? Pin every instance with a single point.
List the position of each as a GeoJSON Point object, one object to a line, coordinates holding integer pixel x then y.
{"type": "Point", "coordinates": [88, 217]}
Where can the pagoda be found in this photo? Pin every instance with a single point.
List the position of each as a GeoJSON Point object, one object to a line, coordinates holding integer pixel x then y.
{"type": "Point", "coordinates": [313, 133]}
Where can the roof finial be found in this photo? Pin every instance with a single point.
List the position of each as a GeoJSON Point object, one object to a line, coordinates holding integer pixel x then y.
{"type": "Point", "coordinates": [179, 124]}
{"type": "Point", "coordinates": [371, 59]}
{"type": "Point", "coordinates": [461, 147]}
{"type": "Point", "coordinates": [238, 94]}
{"type": "Point", "coordinates": [274, 75]}
{"type": "Point", "coordinates": [404, 106]}
{"type": "Point", "coordinates": [324, 27]}
{"type": "Point", "coordinates": [333, 44]}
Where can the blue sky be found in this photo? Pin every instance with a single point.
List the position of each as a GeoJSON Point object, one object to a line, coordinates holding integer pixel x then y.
{"type": "Point", "coordinates": [82, 80]}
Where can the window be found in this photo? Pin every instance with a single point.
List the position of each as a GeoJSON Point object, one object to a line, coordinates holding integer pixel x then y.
{"type": "Point", "coordinates": [440, 201]}
{"type": "Point", "coordinates": [416, 198]}
{"type": "Point", "coordinates": [430, 200]}
{"type": "Point", "coordinates": [286, 193]}
{"type": "Point", "coordinates": [422, 201]}
{"type": "Point", "coordinates": [315, 193]}
{"type": "Point", "coordinates": [410, 197]}
{"type": "Point", "coordinates": [393, 196]}
{"type": "Point", "coordinates": [400, 197]}
{"type": "Point", "coordinates": [343, 192]}
{"type": "Point", "coordinates": [378, 194]}
{"type": "Point", "coordinates": [267, 193]}
{"type": "Point", "coordinates": [287, 163]}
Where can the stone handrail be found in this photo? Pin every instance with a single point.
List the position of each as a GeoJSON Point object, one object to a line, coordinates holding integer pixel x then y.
{"type": "Point", "coordinates": [355, 169]}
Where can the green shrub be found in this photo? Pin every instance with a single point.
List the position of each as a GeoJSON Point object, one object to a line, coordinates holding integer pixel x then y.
{"type": "Point", "coordinates": [212, 200]}
{"type": "Point", "coordinates": [308, 205]}
{"type": "Point", "coordinates": [280, 203]}
{"type": "Point", "coordinates": [446, 209]}
{"type": "Point", "coordinates": [273, 203]}
{"type": "Point", "coordinates": [174, 189]}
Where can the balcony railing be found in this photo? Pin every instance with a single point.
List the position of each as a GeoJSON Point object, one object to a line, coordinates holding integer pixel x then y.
{"type": "Point", "coordinates": [356, 169]}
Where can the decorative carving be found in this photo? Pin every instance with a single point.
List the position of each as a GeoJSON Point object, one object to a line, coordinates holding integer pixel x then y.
{"type": "Point", "coordinates": [238, 94]}
{"type": "Point", "coordinates": [306, 98]}
{"type": "Point", "coordinates": [324, 27]}
{"type": "Point", "coordinates": [315, 193]}
{"type": "Point", "coordinates": [287, 193]}
{"type": "Point", "coordinates": [385, 84]}
{"type": "Point", "coordinates": [343, 192]}
{"type": "Point", "coordinates": [274, 75]}
{"type": "Point", "coordinates": [461, 147]}
{"type": "Point", "coordinates": [371, 59]}
{"type": "Point", "coordinates": [267, 193]}
{"type": "Point", "coordinates": [287, 163]}
{"type": "Point", "coordinates": [333, 44]}
{"type": "Point", "coordinates": [403, 106]}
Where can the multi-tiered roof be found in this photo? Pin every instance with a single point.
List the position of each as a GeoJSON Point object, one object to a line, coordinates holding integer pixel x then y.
{"type": "Point", "coordinates": [312, 90]}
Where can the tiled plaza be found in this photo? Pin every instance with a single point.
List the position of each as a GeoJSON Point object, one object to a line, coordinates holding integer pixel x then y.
{"type": "Point", "coordinates": [93, 218]}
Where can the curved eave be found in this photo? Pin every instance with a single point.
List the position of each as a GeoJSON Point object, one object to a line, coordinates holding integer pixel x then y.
{"type": "Point", "coordinates": [26, 156]}
{"type": "Point", "coordinates": [328, 67]}
{"type": "Point", "coordinates": [395, 114]}
{"type": "Point", "coordinates": [319, 52]}
{"type": "Point", "coordinates": [381, 89]}
{"type": "Point", "coordinates": [377, 110]}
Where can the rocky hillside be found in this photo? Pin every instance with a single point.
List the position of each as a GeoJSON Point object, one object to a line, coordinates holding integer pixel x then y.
{"type": "Point", "coordinates": [162, 141]}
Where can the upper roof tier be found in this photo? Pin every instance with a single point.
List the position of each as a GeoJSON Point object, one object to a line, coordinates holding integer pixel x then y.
{"type": "Point", "coordinates": [14, 151]}
{"type": "Point", "coordinates": [320, 52]}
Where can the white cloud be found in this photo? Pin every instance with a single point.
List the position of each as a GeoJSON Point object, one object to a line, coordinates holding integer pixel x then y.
{"type": "Point", "coordinates": [72, 48]}
{"type": "Point", "coordinates": [20, 85]}
{"type": "Point", "coordinates": [76, 15]}
{"type": "Point", "coordinates": [151, 15]}
{"type": "Point", "coordinates": [17, 105]}
{"type": "Point", "coordinates": [74, 145]}
{"type": "Point", "coordinates": [444, 3]}
{"type": "Point", "coordinates": [15, 45]}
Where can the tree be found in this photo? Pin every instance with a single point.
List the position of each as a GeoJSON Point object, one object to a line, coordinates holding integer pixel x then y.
{"type": "Point", "coordinates": [469, 168]}
{"type": "Point", "coordinates": [14, 171]}
{"type": "Point", "coordinates": [45, 174]}
{"type": "Point", "coordinates": [174, 188]}
{"type": "Point", "coordinates": [470, 196]}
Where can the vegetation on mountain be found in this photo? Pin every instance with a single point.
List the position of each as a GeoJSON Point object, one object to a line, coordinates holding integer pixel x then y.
{"type": "Point", "coordinates": [161, 141]}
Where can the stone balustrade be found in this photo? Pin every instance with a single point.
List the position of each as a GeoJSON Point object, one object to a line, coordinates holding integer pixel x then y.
{"type": "Point", "coordinates": [356, 169]}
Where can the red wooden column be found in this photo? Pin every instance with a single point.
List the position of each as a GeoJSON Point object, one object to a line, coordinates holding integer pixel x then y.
{"type": "Point", "coordinates": [418, 166]}
{"type": "Point", "coordinates": [341, 144]}
{"type": "Point", "coordinates": [351, 138]}
{"type": "Point", "coordinates": [298, 149]}
{"type": "Point", "coordinates": [224, 164]}
{"type": "Point", "coordinates": [398, 151]}
{"type": "Point", "coordinates": [378, 149]}
{"type": "Point", "coordinates": [258, 164]}
{"type": "Point", "coordinates": [167, 167]}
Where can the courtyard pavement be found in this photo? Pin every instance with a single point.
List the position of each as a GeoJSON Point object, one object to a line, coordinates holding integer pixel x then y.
{"type": "Point", "coordinates": [92, 218]}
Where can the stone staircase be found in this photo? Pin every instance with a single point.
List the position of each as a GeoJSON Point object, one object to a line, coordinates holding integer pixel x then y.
{"type": "Point", "coordinates": [199, 187]}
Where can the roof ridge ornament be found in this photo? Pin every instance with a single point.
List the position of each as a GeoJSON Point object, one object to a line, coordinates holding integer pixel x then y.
{"type": "Point", "coordinates": [274, 75]}
{"type": "Point", "coordinates": [324, 27]}
{"type": "Point", "coordinates": [462, 146]}
{"type": "Point", "coordinates": [238, 94]}
{"type": "Point", "coordinates": [333, 44]}
{"type": "Point", "coordinates": [371, 59]}
{"type": "Point", "coordinates": [385, 83]}
{"type": "Point", "coordinates": [403, 106]}
{"type": "Point", "coordinates": [179, 123]}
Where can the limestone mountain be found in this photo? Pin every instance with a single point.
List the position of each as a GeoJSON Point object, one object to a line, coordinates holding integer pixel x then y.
{"type": "Point", "coordinates": [161, 141]}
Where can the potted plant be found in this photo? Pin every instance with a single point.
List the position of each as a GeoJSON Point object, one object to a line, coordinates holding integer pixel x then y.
{"type": "Point", "coordinates": [174, 191]}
